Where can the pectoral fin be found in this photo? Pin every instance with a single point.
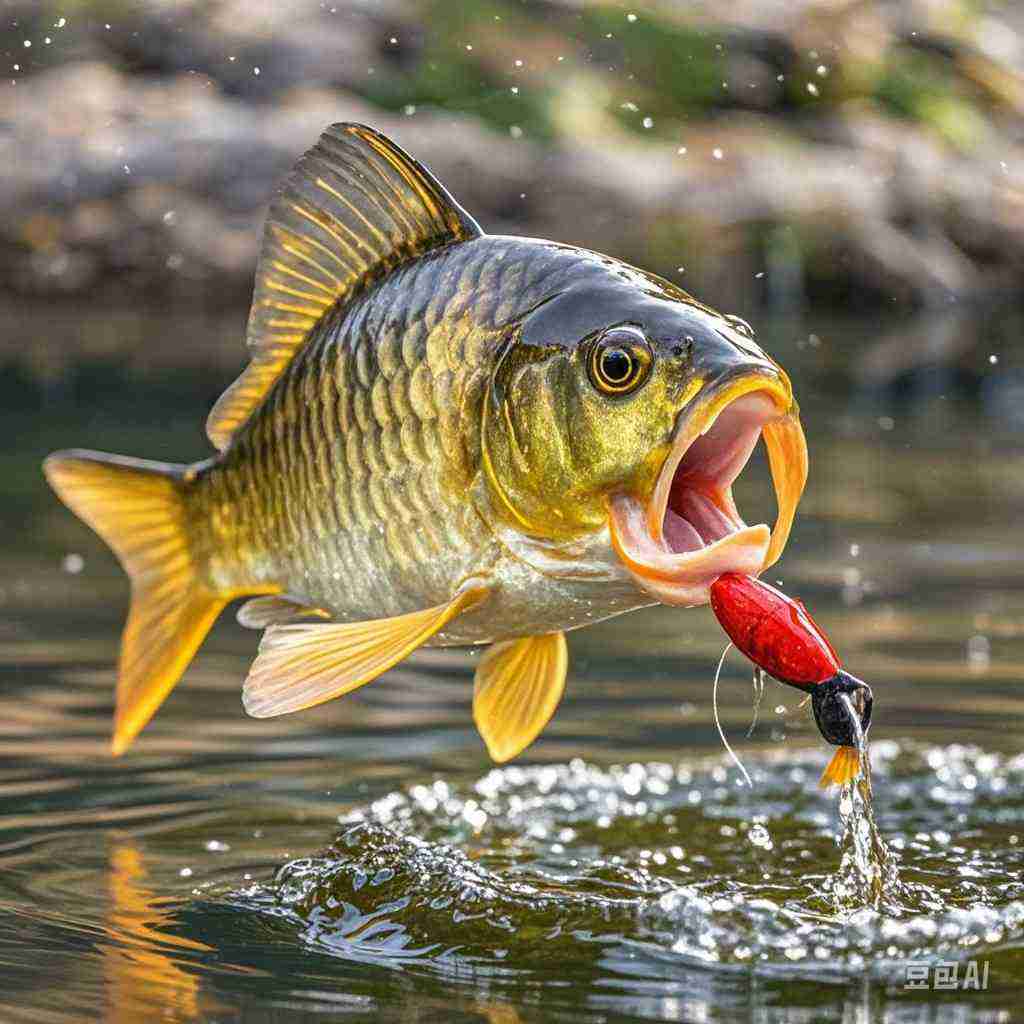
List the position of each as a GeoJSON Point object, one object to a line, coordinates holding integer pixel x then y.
{"type": "Point", "coordinates": [299, 666]}
{"type": "Point", "coordinates": [518, 686]}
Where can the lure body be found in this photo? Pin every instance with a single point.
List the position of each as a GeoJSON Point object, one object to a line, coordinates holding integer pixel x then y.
{"type": "Point", "coordinates": [774, 631]}
{"type": "Point", "coordinates": [777, 634]}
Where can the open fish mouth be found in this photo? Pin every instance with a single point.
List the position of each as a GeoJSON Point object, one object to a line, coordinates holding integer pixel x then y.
{"type": "Point", "coordinates": [689, 530]}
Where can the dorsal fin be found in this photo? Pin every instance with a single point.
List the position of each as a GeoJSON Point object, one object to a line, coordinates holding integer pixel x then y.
{"type": "Point", "coordinates": [354, 207]}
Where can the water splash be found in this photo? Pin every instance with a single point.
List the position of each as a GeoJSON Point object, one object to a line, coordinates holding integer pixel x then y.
{"type": "Point", "coordinates": [648, 864]}
{"type": "Point", "coordinates": [868, 875]}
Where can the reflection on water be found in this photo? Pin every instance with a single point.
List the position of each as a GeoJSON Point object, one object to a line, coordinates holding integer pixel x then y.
{"type": "Point", "coordinates": [363, 859]}
{"type": "Point", "coordinates": [139, 957]}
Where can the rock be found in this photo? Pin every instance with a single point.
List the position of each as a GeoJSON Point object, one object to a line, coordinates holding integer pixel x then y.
{"type": "Point", "coordinates": [146, 168]}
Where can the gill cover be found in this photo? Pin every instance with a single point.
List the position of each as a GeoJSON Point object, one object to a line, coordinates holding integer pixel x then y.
{"type": "Point", "coordinates": [552, 444]}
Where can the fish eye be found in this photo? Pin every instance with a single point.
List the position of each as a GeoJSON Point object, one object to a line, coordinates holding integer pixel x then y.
{"type": "Point", "coordinates": [738, 324]}
{"type": "Point", "coordinates": [620, 361]}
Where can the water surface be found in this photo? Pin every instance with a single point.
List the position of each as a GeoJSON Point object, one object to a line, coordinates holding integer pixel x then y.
{"type": "Point", "coordinates": [363, 860]}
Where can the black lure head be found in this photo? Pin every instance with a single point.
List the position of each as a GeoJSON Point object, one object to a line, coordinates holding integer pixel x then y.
{"type": "Point", "coordinates": [832, 700]}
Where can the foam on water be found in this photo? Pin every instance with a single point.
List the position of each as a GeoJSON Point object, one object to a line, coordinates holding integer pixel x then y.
{"type": "Point", "coordinates": [644, 864]}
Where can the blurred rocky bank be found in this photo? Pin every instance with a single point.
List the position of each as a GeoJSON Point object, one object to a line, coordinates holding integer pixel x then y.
{"type": "Point", "coordinates": [765, 154]}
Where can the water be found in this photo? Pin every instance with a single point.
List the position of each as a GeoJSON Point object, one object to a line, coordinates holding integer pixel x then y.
{"type": "Point", "coordinates": [364, 861]}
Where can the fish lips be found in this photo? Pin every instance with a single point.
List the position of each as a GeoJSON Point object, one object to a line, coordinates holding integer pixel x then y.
{"type": "Point", "coordinates": [689, 531]}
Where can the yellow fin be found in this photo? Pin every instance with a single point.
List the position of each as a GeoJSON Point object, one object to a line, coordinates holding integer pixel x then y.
{"type": "Point", "coordinates": [843, 768]}
{"type": "Point", "coordinates": [139, 509]}
{"type": "Point", "coordinates": [261, 612]}
{"type": "Point", "coordinates": [354, 207]}
{"type": "Point", "coordinates": [518, 686]}
{"type": "Point", "coordinates": [299, 666]}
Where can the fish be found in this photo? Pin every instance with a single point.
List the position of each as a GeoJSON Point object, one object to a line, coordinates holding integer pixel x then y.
{"type": "Point", "coordinates": [442, 437]}
{"type": "Point", "coordinates": [777, 633]}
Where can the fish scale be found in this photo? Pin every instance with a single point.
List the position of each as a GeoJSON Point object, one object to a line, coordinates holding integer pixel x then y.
{"type": "Point", "coordinates": [377, 482]}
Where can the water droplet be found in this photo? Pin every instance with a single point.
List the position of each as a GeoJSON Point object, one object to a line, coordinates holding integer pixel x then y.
{"type": "Point", "coordinates": [73, 563]}
{"type": "Point", "coordinates": [217, 846]}
{"type": "Point", "coordinates": [979, 653]}
{"type": "Point", "coordinates": [717, 153]}
{"type": "Point", "coordinates": [812, 88]}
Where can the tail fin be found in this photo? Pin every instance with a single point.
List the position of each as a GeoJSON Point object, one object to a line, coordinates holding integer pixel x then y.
{"type": "Point", "coordinates": [843, 768]}
{"type": "Point", "coordinates": [139, 509]}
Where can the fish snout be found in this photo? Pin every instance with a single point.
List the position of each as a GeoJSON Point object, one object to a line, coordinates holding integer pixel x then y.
{"type": "Point", "coordinates": [726, 350]}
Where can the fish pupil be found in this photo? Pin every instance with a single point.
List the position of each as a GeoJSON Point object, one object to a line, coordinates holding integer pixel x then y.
{"type": "Point", "coordinates": [616, 365]}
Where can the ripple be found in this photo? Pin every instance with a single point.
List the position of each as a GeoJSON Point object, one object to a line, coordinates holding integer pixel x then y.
{"type": "Point", "coordinates": [647, 863]}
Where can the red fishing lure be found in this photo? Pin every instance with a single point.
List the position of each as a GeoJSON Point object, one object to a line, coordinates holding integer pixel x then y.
{"type": "Point", "coordinates": [778, 635]}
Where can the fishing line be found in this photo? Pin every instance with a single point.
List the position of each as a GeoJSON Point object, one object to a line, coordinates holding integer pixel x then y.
{"type": "Point", "coordinates": [857, 730]}
{"type": "Point", "coordinates": [718, 723]}
{"type": "Point", "coordinates": [758, 684]}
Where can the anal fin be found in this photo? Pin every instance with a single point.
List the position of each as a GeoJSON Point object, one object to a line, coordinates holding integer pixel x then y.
{"type": "Point", "coordinates": [299, 666]}
{"type": "Point", "coordinates": [518, 686]}
{"type": "Point", "coordinates": [277, 609]}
